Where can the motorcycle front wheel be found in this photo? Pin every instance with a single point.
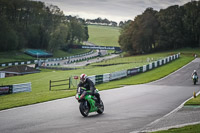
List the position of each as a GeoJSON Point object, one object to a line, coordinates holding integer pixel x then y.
{"type": "Point", "coordinates": [84, 108]}
{"type": "Point", "coordinates": [101, 109]}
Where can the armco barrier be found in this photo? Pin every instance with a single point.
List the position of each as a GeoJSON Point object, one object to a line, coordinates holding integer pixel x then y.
{"type": "Point", "coordinates": [45, 60]}
{"type": "Point", "coordinates": [150, 66]}
{"type": "Point", "coordinates": [133, 71]}
{"type": "Point", "coordinates": [118, 74]}
{"type": "Point", "coordinates": [160, 63]}
{"type": "Point", "coordinates": [106, 77]}
{"type": "Point", "coordinates": [24, 87]}
{"type": "Point", "coordinates": [144, 68]}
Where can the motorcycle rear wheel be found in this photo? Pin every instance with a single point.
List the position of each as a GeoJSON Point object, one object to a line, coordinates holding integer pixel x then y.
{"type": "Point", "coordinates": [195, 81]}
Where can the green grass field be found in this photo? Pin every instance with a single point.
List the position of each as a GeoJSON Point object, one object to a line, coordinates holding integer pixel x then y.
{"type": "Point", "coordinates": [40, 81]}
{"type": "Point", "coordinates": [100, 35]}
{"type": "Point", "coordinates": [12, 56]}
{"type": "Point", "coordinates": [104, 35]}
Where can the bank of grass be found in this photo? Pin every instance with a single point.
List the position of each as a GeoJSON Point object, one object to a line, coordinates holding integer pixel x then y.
{"type": "Point", "coordinates": [104, 35]}
{"type": "Point", "coordinates": [12, 56]}
{"type": "Point", "coordinates": [133, 62]}
{"type": "Point", "coordinates": [40, 81]}
{"type": "Point", "coordinates": [194, 101]}
{"type": "Point", "coordinates": [149, 76]}
{"type": "Point", "coordinates": [61, 53]}
{"type": "Point", "coordinates": [15, 56]}
{"type": "Point", "coordinates": [186, 129]}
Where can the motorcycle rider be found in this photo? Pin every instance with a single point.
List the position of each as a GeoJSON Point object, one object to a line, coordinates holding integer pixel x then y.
{"type": "Point", "coordinates": [195, 73]}
{"type": "Point", "coordinates": [86, 83]}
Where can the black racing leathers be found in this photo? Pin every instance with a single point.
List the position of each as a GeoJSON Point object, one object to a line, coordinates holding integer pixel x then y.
{"type": "Point", "coordinates": [89, 85]}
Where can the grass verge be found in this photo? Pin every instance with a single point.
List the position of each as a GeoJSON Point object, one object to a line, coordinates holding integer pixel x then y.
{"type": "Point", "coordinates": [194, 101]}
{"type": "Point", "coordinates": [186, 129]}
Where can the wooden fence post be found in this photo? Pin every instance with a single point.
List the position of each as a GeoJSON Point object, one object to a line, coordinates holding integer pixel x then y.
{"type": "Point", "coordinates": [50, 85]}
{"type": "Point", "coordinates": [69, 82]}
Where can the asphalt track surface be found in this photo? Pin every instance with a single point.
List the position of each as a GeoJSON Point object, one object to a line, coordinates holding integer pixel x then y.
{"type": "Point", "coordinates": [127, 109]}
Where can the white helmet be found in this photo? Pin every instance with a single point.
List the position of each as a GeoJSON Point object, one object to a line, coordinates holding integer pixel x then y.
{"type": "Point", "coordinates": [195, 71]}
{"type": "Point", "coordinates": [83, 78]}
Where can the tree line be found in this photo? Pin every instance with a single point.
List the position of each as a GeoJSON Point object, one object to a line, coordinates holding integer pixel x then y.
{"type": "Point", "coordinates": [171, 28]}
{"type": "Point", "coordinates": [98, 21]}
{"type": "Point", "coordinates": [32, 24]}
{"type": "Point", "coordinates": [101, 21]}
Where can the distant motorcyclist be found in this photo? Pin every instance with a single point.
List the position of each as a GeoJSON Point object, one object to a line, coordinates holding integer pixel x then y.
{"type": "Point", "coordinates": [86, 83]}
{"type": "Point", "coordinates": [195, 73]}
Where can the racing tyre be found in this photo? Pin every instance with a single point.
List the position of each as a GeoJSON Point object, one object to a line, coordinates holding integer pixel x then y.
{"type": "Point", "coordinates": [101, 109]}
{"type": "Point", "coordinates": [84, 108]}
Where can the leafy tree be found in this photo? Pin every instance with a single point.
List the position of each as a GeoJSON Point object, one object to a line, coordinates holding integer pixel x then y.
{"type": "Point", "coordinates": [171, 28]}
{"type": "Point", "coordinates": [58, 38]}
{"type": "Point", "coordinates": [32, 24]}
{"type": "Point", "coordinates": [101, 21]}
{"type": "Point", "coordinates": [125, 38]}
{"type": "Point", "coordinates": [141, 33]}
{"type": "Point", "coordinates": [8, 37]}
{"type": "Point", "coordinates": [86, 37]}
{"type": "Point", "coordinates": [77, 32]}
{"type": "Point", "coordinates": [121, 23]}
{"type": "Point", "coordinates": [191, 23]}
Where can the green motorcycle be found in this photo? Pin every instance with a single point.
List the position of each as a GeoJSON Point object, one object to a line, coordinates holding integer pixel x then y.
{"type": "Point", "coordinates": [88, 103]}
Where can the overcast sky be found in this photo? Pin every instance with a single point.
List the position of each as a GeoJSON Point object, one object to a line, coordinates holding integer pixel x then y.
{"type": "Point", "coordinates": [116, 10]}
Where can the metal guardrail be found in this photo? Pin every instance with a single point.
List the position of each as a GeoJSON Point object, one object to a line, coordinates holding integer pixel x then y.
{"type": "Point", "coordinates": [15, 88]}
{"type": "Point", "coordinates": [24, 87]}
{"type": "Point", "coordinates": [43, 60]}
{"type": "Point", "coordinates": [98, 79]}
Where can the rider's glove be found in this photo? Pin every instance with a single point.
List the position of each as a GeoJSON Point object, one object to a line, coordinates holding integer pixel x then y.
{"type": "Point", "coordinates": [83, 94]}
